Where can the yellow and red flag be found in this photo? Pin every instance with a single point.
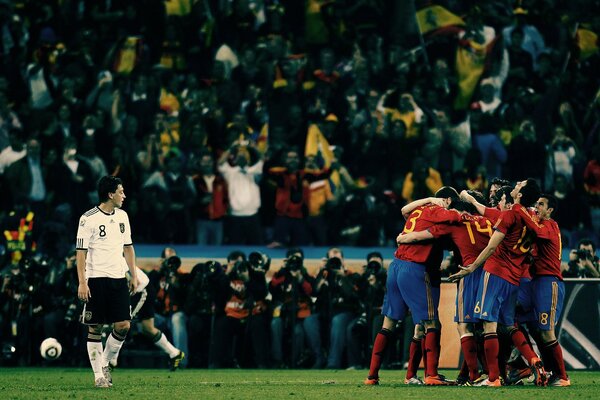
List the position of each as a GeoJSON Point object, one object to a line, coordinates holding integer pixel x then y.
{"type": "Point", "coordinates": [436, 17]}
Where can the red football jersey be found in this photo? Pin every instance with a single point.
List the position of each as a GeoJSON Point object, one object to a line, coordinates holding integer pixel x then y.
{"type": "Point", "coordinates": [419, 220]}
{"type": "Point", "coordinates": [507, 261]}
{"type": "Point", "coordinates": [470, 237]}
{"type": "Point", "coordinates": [492, 213]}
{"type": "Point", "coordinates": [549, 244]}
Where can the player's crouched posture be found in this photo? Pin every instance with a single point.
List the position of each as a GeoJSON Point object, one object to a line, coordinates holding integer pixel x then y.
{"type": "Point", "coordinates": [104, 252]}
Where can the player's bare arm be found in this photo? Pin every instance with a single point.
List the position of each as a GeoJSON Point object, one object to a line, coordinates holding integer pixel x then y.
{"type": "Point", "coordinates": [83, 291]}
{"type": "Point", "coordinates": [129, 253]}
{"type": "Point", "coordinates": [413, 237]}
{"type": "Point", "coordinates": [470, 199]}
{"type": "Point", "coordinates": [495, 240]}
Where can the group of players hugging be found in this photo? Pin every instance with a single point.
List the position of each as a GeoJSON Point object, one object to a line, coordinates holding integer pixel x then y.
{"type": "Point", "coordinates": [509, 286]}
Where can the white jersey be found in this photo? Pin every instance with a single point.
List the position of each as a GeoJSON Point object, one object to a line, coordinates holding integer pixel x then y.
{"type": "Point", "coordinates": [104, 236]}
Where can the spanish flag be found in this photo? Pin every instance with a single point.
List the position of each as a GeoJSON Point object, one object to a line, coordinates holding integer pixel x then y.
{"type": "Point", "coordinates": [128, 55]}
{"type": "Point", "coordinates": [435, 17]}
{"type": "Point", "coordinates": [472, 60]}
{"type": "Point", "coordinates": [262, 141]}
{"type": "Point", "coordinates": [178, 7]}
{"type": "Point", "coordinates": [318, 146]}
{"type": "Point", "coordinates": [587, 42]}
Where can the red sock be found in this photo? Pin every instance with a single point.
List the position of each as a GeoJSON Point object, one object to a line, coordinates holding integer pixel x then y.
{"type": "Point", "coordinates": [481, 353]}
{"type": "Point", "coordinates": [469, 349]}
{"type": "Point", "coordinates": [379, 346]}
{"type": "Point", "coordinates": [432, 351]}
{"type": "Point", "coordinates": [415, 355]}
{"type": "Point", "coordinates": [523, 345]}
{"type": "Point", "coordinates": [505, 348]}
{"type": "Point", "coordinates": [491, 348]}
{"type": "Point", "coordinates": [558, 364]}
{"type": "Point", "coordinates": [464, 369]}
{"type": "Point", "coordinates": [423, 352]}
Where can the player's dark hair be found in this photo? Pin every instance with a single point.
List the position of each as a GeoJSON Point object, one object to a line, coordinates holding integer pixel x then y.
{"type": "Point", "coordinates": [587, 242]}
{"type": "Point", "coordinates": [530, 193]}
{"type": "Point", "coordinates": [107, 184]}
{"type": "Point", "coordinates": [234, 255]}
{"type": "Point", "coordinates": [461, 205]}
{"type": "Point", "coordinates": [552, 202]}
{"type": "Point", "coordinates": [294, 250]}
{"type": "Point", "coordinates": [499, 182]}
{"type": "Point", "coordinates": [477, 195]}
{"type": "Point", "coordinates": [374, 254]}
{"type": "Point", "coordinates": [504, 190]}
{"type": "Point", "coordinates": [446, 191]}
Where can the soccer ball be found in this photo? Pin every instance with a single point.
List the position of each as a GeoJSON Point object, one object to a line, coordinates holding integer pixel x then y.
{"type": "Point", "coordinates": [50, 349]}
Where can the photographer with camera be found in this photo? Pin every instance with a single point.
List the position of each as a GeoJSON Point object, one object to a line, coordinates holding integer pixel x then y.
{"type": "Point", "coordinates": [362, 330]}
{"type": "Point", "coordinates": [61, 322]}
{"type": "Point", "coordinates": [583, 262]}
{"type": "Point", "coordinates": [258, 321]}
{"type": "Point", "coordinates": [242, 321]}
{"type": "Point", "coordinates": [170, 286]}
{"type": "Point", "coordinates": [291, 288]}
{"type": "Point", "coordinates": [205, 302]}
{"type": "Point", "coordinates": [337, 303]}
{"type": "Point", "coordinates": [23, 300]}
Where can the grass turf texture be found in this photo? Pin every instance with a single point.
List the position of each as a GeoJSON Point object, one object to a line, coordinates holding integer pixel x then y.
{"type": "Point", "coordinates": [60, 383]}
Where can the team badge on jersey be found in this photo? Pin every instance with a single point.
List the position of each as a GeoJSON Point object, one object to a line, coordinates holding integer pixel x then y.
{"type": "Point", "coordinates": [122, 227]}
{"type": "Point", "coordinates": [88, 315]}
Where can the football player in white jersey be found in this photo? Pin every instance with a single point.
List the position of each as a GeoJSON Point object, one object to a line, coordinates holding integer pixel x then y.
{"type": "Point", "coordinates": [103, 244]}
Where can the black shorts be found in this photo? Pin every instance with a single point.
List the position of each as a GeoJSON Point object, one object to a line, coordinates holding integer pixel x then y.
{"type": "Point", "coordinates": [108, 303]}
{"type": "Point", "coordinates": [142, 304]}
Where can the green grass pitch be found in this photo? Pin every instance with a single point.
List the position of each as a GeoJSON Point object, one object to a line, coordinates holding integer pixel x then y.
{"type": "Point", "coordinates": [61, 383]}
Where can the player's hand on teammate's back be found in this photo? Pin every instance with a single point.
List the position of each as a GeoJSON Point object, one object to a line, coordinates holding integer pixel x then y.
{"type": "Point", "coordinates": [83, 292]}
{"type": "Point", "coordinates": [462, 272]}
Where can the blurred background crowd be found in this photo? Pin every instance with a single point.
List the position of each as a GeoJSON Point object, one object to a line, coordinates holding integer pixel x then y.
{"type": "Point", "coordinates": [285, 122]}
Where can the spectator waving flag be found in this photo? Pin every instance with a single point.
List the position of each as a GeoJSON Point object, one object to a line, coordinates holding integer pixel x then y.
{"type": "Point", "coordinates": [318, 147]}
{"type": "Point", "coordinates": [472, 59]}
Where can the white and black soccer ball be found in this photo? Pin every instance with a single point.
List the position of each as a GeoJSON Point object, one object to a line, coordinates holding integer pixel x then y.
{"type": "Point", "coordinates": [50, 349]}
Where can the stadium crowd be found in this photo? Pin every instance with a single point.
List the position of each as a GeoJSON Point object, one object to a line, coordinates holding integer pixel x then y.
{"type": "Point", "coordinates": [280, 123]}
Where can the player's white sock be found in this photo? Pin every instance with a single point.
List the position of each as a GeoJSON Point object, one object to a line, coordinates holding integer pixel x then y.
{"type": "Point", "coordinates": [94, 348]}
{"type": "Point", "coordinates": [161, 341]}
{"type": "Point", "coordinates": [113, 346]}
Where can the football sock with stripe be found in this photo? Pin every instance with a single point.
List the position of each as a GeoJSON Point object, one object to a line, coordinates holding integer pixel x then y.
{"type": "Point", "coordinates": [491, 348]}
{"type": "Point", "coordinates": [432, 351]}
{"type": "Point", "coordinates": [556, 356]}
{"type": "Point", "coordinates": [113, 346]}
{"type": "Point", "coordinates": [379, 346]}
{"type": "Point", "coordinates": [481, 352]}
{"type": "Point", "coordinates": [161, 341]}
{"type": "Point", "coordinates": [94, 348]}
{"type": "Point", "coordinates": [469, 349]}
{"type": "Point", "coordinates": [415, 354]}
